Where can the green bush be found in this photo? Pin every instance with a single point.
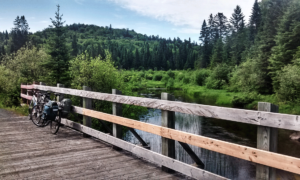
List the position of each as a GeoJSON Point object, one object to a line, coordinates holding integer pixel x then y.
{"type": "Point", "coordinates": [218, 77]}
{"type": "Point", "coordinates": [180, 76]}
{"type": "Point", "coordinates": [157, 77]}
{"type": "Point", "coordinates": [186, 79]}
{"type": "Point", "coordinates": [171, 74]}
{"type": "Point", "coordinates": [200, 77]}
{"type": "Point", "coordinates": [149, 76]}
{"type": "Point", "coordinates": [170, 83]}
{"type": "Point", "coordinates": [241, 101]}
{"type": "Point", "coordinates": [289, 83]}
{"type": "Point", "coordinates": [247, 77]}
{"type": "Point", "coordinates": [165, 79]}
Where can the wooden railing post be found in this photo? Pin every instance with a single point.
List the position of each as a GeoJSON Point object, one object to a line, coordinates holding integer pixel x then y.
{"type": "Point", "coordinates": [61, 97]}
{"type": "Point", "coordinates": [117, 110]}
{"type": "Point", "coordinates": [87, 103]}
{"type": "Point", "coordinates": [23, 92]}
{"type": "Point", "coordinates": [167, 120]}
{"type": "Point", "coordinates": [27, 93]}
{"type": "Point", "coordinates": [266, 140]}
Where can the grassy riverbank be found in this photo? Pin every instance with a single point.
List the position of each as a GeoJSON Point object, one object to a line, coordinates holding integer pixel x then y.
{"type": "Point", "coordinates": [188, 81]}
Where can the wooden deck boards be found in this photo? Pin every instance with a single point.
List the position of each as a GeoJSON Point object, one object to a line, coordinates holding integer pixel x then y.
{"type": "Point", "coordinates": [29, 152]}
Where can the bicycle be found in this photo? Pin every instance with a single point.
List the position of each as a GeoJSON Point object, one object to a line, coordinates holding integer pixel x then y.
{"type": "Point", "coordinates": [36, 108]}
{"type": "Point", "coordinates": [42, 114]}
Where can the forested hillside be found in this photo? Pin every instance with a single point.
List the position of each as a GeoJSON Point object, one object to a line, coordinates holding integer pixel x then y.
{"type": "Point", "coordinates": [260, 55]}
{"type": "Point", "coordinates": [128, 48]}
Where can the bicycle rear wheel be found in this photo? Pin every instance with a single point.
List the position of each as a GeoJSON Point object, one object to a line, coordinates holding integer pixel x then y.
{"type": "Point", "coordinates": [55, 124]}
{"type": "Point", "coordinates": [36, 115]}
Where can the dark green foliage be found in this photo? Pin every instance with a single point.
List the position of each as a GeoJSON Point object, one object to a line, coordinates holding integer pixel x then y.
{"type": "Point", "coordinates": [200, 77]}
{"type": "Point", "coordinates": [241, 101]}
{"type": "Point", "coordinates": [19, 34]}
{"type": "Point", "coordinates": [186, 79]}
{"type": "Point", "coordinates": [59, 52]}
{"type": "Point", "coordinates": [218, 77]}
{"type": "Point", "coordinates": [157, 76]}
{"type": "Point", "coordinates": [237, 19]}
{"type": "Point", "coordinates": [171, 74]}
{"type": "Point", "coordinates": [287, 40]}
{"type": "Point", "coordinates": [255, 21]}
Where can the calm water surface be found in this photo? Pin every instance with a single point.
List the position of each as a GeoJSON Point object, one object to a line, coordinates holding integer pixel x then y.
{"type": "Point", "coordinates": [217, 163]}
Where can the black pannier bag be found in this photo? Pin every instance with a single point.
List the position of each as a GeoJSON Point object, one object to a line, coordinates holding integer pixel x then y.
{"type": "Point", "coordinates": [66, 105]}
{"type": "Point", "coordinates": [50, 110]}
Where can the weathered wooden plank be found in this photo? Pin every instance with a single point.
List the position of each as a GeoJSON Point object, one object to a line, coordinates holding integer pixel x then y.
{"type": "Point", "coordinates": [26, 96]}
{"type": "Point", "coordinates": [266, 140]}
{"type": "Point", "coordinates": [117, 110]}
{"type": "Point", "coordinates": [27, 86]}
{"type": "Point", "coordinates": [271, 159]}
{"type": "Point", "coordinates": [146, 154]}
{"type": "Point", "coordinates": [86, 103]}
{"type": "Point", "coordinates": [167, 120]}
{"type": "Point", "coordinates": [284, 121]}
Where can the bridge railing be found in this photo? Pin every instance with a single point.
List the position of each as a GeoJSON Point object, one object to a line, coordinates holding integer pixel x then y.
{"type": "Point", "coordinates": [267, 120]}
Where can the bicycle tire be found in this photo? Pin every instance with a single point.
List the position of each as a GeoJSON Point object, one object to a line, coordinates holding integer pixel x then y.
{"type": "Point", "coordinates": [36, 116]}
{"type": "Point", "coordinates": [55, 124]}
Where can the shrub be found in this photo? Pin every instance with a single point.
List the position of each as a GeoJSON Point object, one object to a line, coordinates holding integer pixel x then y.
{"type": "Point", "coordinates": [186, 79]}
{"type": "Point", "coordinates": [247, 77]}
{"type": "Point", "coordinates": [180, 76]}
{"type": "Point", "coordinates": [200, 77]}
{"type": "Point", "coordinates": [241, 101]}
{"type": "Point", "coordinates": [289, 83]}
{"type": "Point", "coordinates": [165, 79]}
{"type": "Point", "coordinates": [218, 77]}
{"type": "Point", "coordinates": [170, 83]}
{"type": "Point", "coordinates": [157, 77]}
{"type": "Point", "coordinates": [171, 74]}
{"type": "Point", "coordinates": [149, 76]}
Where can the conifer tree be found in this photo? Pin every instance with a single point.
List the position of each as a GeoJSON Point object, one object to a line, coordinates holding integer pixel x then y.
{"type": "Point", "coordinates": [287, 41]}
{"type": "Point", "coordinates": [58, 64]}
{"type": "Point", "coordinates": [237, 19]}
{"type": "Point", "coordinates": [205, 38]}
{"type": "Point", "coordinates": [255, 21]}
{"type": "Point", "coordinates": [74, 46]}
{"type": "Point", "coordinates": [217, 53]}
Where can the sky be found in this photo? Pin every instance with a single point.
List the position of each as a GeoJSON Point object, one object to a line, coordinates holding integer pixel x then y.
{"type": "Point", "coordinates": [166, 18]}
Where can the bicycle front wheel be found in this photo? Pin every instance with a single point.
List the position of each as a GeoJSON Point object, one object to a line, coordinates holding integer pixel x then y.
{"type": "Point", "coordinates": [54, 124]}
{"type": "Point", "coordinates": [36, 116]}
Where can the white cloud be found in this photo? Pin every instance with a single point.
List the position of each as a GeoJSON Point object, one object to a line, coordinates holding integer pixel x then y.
{"type": "Point", "coordinates": [189, 14]}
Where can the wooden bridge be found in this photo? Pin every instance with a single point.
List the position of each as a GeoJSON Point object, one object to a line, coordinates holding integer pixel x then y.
{"type": "Point", "coordinates": [70, 156]}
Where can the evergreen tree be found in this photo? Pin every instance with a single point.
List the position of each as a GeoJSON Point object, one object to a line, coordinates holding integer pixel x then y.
{"type": "Point", "coordinates": [205, 38]}
{"type": "Point", "coordinates": [74, 46]}
{"type": "Point", "coordinates": [287, 41]}
{"type": "Point", "coordinates": [221, 25]}
{"type": "Point", "coordinates": [237, 19]}
{"type": "Point", "coordinates": [19, 33]}
{"type": "Point", "coordinates": [59, 52]}
{"type": "Point", "coordinates": [217, 53]}
{"type": "Point", "coordinates": [255, 21]}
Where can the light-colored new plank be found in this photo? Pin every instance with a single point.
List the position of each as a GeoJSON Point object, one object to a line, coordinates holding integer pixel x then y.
{"type": "Point", "coordinates": [271, 159]}
{"type": "Point", "coordinates": [147, 154]}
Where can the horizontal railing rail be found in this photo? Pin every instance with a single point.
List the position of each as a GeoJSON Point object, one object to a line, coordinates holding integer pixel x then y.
{"type": "Point", "coordinates": [262, 118]}
{"type": "Point", "coordinates": [259, 156]}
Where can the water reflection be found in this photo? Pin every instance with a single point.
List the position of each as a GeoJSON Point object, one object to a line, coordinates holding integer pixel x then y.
{"type": "Point", "coordinates": [217, 163]}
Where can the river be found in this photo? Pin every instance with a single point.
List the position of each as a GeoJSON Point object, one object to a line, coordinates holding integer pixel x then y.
{"type": "Point", "coordinates": [234, 132]}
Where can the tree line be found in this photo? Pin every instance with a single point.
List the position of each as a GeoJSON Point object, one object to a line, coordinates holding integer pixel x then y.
{"type": "Point", "coordinates": [261, 55]}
